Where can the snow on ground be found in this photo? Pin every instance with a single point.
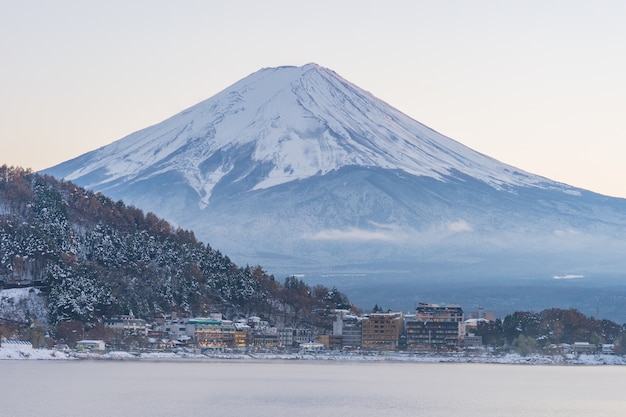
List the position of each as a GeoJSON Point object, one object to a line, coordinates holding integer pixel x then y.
{"type": "Point", "coordinates": [511, 358]}
{"type": "Point", "coordinates": [118, 355]}
{"type": "Point", "coordinates": [32, 354]}
{"type": "Point", "coordinates": [18, 303]}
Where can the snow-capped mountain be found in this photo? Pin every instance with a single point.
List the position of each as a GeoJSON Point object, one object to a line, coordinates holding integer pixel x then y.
{"type": "Point", "coordinates": [285, 124]}
{"type": "Point", "coordinates": [300, 171]}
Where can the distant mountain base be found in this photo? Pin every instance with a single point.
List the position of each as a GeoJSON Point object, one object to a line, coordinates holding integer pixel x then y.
{"type": "Point", "coordinates": [599, 297]}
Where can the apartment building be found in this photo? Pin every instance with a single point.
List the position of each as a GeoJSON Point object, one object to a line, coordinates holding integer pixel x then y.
{"type": "Point", "coordinates": [348, 328]}
{"type": "Point", "coordinates": [381, 331]}
{"type": "Point", "coordinates": [435, 327]}
{"type": "Point", "coordinates": [291, 337]}
{"type": "Point", "coordinates": [127, 325]}
{"type": "Point", "coordinates": [211, 333]}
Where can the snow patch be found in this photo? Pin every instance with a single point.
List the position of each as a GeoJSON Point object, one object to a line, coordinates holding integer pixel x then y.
{"type": "Point", "coordinates": [23, 304]}
{"type": "Point", "coordinates": [572, 191]}
{"type": "Point", "coordinates": [32, 354]}
{"type": "Point", "coordinates": [568, 276]}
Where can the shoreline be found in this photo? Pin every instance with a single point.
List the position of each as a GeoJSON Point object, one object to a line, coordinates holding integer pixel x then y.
{"type": "Point", "coordinates": [369, 357]}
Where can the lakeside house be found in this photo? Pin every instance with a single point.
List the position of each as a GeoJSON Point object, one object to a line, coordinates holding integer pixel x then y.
{"type": "Point", "coordinates": [91, 345]}
{"type": "Point", "coordinates": [16, 344]}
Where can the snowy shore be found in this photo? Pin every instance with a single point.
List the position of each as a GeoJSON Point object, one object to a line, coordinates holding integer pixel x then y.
{"type": "Point", "coordinates": [510, 358]}
{"type": "Point", "coordinates": [32, 354]}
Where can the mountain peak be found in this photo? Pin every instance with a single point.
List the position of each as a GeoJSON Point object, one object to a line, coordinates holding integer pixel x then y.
{"type": "Point", "coordinates": [283, 124]}
{"type": "Point", "coordinates": [312, 65]}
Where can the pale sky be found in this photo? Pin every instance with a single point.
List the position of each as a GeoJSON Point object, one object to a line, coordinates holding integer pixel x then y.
{"type": "Point", "coordinates": [540, 85]}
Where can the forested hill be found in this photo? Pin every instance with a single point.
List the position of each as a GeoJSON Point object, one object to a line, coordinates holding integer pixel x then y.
{"type": "Point", "coordinates": [96, 258]}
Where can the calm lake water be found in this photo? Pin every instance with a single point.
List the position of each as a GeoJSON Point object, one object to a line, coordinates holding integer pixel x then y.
{"type": "Point", "coordinates": [285, 388]}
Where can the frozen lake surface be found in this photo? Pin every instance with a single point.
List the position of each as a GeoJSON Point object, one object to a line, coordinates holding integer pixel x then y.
{"type": "Point", "coordinates": [306, 388]}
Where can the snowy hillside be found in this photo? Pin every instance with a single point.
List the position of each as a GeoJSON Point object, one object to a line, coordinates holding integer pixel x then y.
{"type": "Point", "coordinates": [23, 304]}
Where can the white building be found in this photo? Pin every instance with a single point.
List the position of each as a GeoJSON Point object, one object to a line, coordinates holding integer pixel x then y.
{"type": "Point", "coordinates": [128, 325]}
{"type": "Point", "coordinates": [91, 345]}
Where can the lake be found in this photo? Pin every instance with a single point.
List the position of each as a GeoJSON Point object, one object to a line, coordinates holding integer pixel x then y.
{"type": "Point", "coordinates": [306, 388]}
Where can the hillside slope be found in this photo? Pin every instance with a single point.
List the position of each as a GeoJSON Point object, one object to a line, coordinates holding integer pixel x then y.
{"type": "Point", "coordinates": [94, 258]}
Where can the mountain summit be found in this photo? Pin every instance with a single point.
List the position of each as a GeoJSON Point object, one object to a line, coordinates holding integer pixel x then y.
{"type": "Point", "coordinates": [301, 171]}
{"type": "Point", "coordinates": [279, 125]}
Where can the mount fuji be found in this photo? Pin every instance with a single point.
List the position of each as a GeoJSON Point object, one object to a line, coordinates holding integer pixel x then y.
{"type": "Point", "coordinates": [302, 172]}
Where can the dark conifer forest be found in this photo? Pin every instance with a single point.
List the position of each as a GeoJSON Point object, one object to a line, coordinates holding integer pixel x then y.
{"type": "Point", "coordinates": [95, 258]}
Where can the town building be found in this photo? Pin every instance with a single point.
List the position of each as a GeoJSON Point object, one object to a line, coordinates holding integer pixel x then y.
{"type": "Point", "coordinates": [311, 347]}
{"type": "Point", "coordinates": [266, 338]}
{"type": "Point", "coordinates": [127, 325]}
{"type": "Point", "coordinates": [21, 344]}
{"type": "Point", "coordinates": [439, 312]}
{"type": "Point", "coordinates": [435, 327]}
{"type": "Point", "coordinates": [348, 327]}
{"type": "Point", "coordinates": [330, 341]}
{"type": "Point", "coordinates": [213, 333]}
{"type": "Point", "coordinates": [471, 325]}
{"type": "Point", "coordinates": [91, 345]}
{"type": "Point", "coordinates": [471, 341]}
{"type": "Point", "coordinates": [291, 337]}
{"type": "Point", "coordinates": [180, 329]}
{"type": "Point", "coordinates": [381, 331]}
{"type": "Point", "coordinates": [481, 314]}
{"type": "Point", "coordinates": [352, 336]}
{"type": "Point", "coordinates": [242, 335]}
{"type": "Point", "coordinates": [608, 349]}
{"type": "Point", "coordinates": [584, 347]}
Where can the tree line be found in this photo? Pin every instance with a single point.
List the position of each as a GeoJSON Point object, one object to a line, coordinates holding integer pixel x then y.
{"type": "Point", "coordinates": [96, 258]}
{"type": "Point", "coordinates": [529, 331]}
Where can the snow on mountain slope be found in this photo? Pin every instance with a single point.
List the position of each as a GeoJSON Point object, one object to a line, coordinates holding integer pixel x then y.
{"type": "Point", "coordinates": [298, 170]}
{"type": "Point", "coordinates": [283, 124]}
